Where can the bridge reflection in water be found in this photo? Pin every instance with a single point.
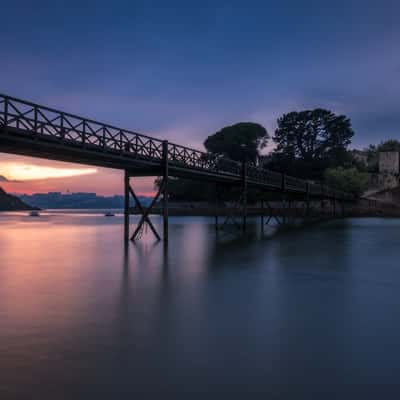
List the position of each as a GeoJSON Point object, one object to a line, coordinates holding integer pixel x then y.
{"type": "Point", "coordinates": [33, 130]}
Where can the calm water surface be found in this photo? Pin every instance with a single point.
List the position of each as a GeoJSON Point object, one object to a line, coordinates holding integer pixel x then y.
{"type": "Point", "coordinates": [308, 311]}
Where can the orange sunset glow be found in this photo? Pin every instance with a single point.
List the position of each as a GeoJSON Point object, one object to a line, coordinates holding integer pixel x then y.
{"type": "Point", "coordinates": [28, 172]}
{"type": "Point", "coordinates": [19, 174]}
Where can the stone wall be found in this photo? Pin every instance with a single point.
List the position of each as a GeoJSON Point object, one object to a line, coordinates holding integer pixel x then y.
{"type": "Point", "coordinates": [378, 182]}
{"type": "Point", "coordinates": [388, 177]}
{"type": "Point", "coordinates": [391, 196]}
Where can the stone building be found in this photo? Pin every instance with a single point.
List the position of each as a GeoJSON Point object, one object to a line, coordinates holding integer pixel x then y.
{"type": "Point", "coordinates": [389, 162]}
{"type": "Point", "coordinates": [387, 178]}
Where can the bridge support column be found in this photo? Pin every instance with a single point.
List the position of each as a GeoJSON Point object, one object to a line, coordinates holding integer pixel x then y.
{"type": "Point", "coordinates": [144, 212]}
{"type": "Point", "coordinates": [334, 207]}
{"type": "Point", "coordinates": [244, 188]}
{"type": "Point", "coordinates": [165, 190]}
{"type": "Point", "coordinates": [283, 209]}
{"type": "Point", "coordinates": [126, 206]}
{"type": "Point", "coordinates": [290, 217]}
{"type": "Point", "coordinates": [322, 202]}
{"type": "Point", "coordinates": [216, 207]}
{"type": "Point", "coordinates": [262, 216]}
{"type": "Point", "coordinates": [283, 200]}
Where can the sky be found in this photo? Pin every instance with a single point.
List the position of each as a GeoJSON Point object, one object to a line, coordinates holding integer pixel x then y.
{"type": "Point", "coordinates": [181, 70]}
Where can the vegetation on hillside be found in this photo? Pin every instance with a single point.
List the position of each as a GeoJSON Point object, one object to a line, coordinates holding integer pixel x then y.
{"type": "Point", "coordinates": [348, 180]}
{"type": "Point", "coordinates": [12, 203]}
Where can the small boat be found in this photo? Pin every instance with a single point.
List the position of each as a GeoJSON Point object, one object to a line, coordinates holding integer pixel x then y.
{"type": "Point", "coordinates": [109, 214]}
{"type": "Point", "coordinates": [34, 214]}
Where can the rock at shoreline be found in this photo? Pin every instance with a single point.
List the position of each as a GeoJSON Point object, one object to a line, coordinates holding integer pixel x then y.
{"type": "Point", "coordinates": [9, 202]}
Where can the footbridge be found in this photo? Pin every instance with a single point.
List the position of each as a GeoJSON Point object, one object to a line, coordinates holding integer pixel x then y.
{"type": "Point", "coordinates": [34, 130]}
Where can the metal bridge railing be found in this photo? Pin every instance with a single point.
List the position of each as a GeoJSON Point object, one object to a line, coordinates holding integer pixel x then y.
{"type": "Point", "coordinates": [181, 156]}
{"type": "Point", "coordinates": [295, 184]}
{"type": "Point", "coordinates": [70, 129]}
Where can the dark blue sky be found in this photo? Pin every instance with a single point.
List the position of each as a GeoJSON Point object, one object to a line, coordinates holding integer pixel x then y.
{"type": "Point", "coordinates": [182, 70]}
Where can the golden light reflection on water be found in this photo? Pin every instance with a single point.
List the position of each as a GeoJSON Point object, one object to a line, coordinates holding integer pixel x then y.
{"type": "Point", "coordinates": [46, 270]}
{"type": "Point", "coordinates": [55, 269]}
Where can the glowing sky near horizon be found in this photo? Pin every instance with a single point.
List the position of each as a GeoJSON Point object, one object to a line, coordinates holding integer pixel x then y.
{"type": "Point", "coordinates": [182, 70]}
{"type": "Point", "coordinates": [19, 171]}
{"type": "Point", "coordinates": [28, 175]}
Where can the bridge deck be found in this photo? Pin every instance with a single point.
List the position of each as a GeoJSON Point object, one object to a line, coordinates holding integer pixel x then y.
{"type": "Point", "coordinates": [33, 130]}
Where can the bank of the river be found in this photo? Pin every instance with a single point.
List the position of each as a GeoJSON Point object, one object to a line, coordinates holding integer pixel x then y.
{"type": "Point", "coordinates": [9, 202]}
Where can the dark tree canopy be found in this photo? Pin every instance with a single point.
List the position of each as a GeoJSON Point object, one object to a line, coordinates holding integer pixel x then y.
{"type": "Point", "coordinates": [312, 134]}
{"type": "Point", "coordinates": [389, 145]}
{"type": "Point", "coordinates": [238, 141]}
{"type": "Point", "coordinates": [310, 141]}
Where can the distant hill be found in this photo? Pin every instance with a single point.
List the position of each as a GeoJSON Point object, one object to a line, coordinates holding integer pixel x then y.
{"type": "Point", "coordinates": [56, 200]}
{"type": "Point", "coordinates": [9, 202]}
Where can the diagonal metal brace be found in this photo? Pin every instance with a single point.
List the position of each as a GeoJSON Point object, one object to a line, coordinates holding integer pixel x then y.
{"type": "Point", "coordinates": [231, 217]}
{"type": "Point", "coordinates": [272, 214]}
{"type": "Point", "coordinates": [145, 213]}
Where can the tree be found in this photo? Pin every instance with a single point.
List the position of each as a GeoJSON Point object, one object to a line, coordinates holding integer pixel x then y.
{"type": "Point", "coordinates": [372, 159]}
{"type": "Point", "coordinates": [348, 180]}
{"type": "Point", "coordinates": [389, 145]}
{"type": "Point", "coordinates": [239, 141]}
{"type": "Point", "coordinates": [310, 141]}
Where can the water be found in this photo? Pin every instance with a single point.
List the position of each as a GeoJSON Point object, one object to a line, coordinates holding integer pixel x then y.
{"type": "Point", "coordinates": [306, 312]}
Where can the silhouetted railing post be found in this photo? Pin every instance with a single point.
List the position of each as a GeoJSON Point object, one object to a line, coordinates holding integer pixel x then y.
{"type": "Point", "coordinates": [35, 120]}
{"type": "Point", "coordinates": [5, 111]}
{"type": "Point", "coordinates": [308, 200]}
{"type": "Point", "coordinates": [103, 139]}
{"type": "Point", "coordinates": [84, 133]}
{"type": "Point", "coordinates": [165, 189]}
